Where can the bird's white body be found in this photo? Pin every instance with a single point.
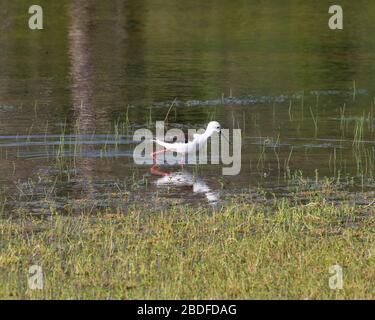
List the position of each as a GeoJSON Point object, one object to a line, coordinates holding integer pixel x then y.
{"type": "Point", "coordinates": [198, 142]}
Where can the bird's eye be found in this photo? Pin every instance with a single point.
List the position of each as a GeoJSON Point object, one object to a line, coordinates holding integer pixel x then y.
{"type": "Point", "coordinates": [217, 127]}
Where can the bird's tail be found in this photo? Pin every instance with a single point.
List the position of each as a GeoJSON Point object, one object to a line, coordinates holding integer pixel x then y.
{"type": "Point", "coordinates": [161, 143]}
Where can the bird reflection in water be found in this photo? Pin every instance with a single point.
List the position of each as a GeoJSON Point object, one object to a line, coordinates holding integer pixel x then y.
{"type": "Point", "coordinates": [184, 178]}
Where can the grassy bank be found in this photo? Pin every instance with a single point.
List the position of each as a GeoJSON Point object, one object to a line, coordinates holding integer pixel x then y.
{"type": "Point", "coordinates": [240, 251]}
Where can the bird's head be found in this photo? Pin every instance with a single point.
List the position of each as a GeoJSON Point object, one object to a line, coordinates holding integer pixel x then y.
{"type": "Point", "coordinates": [214, 126]}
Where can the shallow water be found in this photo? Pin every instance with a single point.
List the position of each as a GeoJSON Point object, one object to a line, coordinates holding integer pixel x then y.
{"type": "Point", "coordinates": [72, 95]}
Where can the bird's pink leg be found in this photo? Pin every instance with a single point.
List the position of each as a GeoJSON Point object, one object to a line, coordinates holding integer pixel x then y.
{"type": "Point", "coordinates": [153, 155]}
{"type": "Point", "coordinates": [182, 161]}
{"type": "Point", "coordinates": [154, 170]}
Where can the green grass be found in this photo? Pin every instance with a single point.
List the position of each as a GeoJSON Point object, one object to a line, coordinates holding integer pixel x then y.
{"type": "Point", "coordinates": [240, 251]}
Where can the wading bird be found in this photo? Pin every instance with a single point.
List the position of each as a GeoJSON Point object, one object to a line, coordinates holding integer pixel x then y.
{"type": "Point", "coordinates": [198, 142]}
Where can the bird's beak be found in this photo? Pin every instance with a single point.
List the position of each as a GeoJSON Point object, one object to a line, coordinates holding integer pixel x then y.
{"type": "Point", "coordinates": [224, 137]}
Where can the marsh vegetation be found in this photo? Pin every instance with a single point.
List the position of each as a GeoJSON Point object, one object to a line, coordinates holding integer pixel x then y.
{"type": "Point", "coordinates": [73, 201]}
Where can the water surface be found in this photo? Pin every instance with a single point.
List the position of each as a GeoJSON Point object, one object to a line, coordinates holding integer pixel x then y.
{"type": "Point", "coordinates": [72, 95]}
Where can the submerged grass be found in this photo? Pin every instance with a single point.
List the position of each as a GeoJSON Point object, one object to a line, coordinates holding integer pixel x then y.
{"type": "Point", "coordinates": [240, 251]}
